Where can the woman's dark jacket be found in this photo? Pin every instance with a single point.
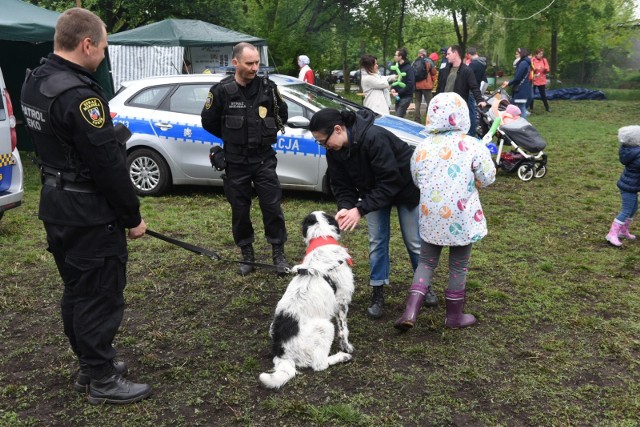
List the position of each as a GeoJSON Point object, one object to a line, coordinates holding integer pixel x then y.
{"type": "Point", "coordinates": [372, 171]}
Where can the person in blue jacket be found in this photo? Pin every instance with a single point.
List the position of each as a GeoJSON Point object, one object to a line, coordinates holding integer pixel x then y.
{"type": "Point", "coordinates": [629, 184]}
{"type": "Point", "coordinates": [520, 84]}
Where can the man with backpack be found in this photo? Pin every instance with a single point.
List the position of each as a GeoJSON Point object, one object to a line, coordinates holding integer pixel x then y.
{"type": "Point", "coordinates": [425, 72]}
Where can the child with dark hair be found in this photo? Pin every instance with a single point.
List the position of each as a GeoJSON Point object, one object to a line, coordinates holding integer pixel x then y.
{"type": "Point", "coordinates": [369, 170]}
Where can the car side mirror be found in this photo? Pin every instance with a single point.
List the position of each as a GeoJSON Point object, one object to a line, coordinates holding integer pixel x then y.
{"type": "Point", "coordinates": [298, 122]}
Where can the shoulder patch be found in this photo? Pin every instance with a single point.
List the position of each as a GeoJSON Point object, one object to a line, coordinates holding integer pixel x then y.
{"type": "Point", "coordinates": [209, 102]}
{"type": "Point", "coordinates": [92, 111]}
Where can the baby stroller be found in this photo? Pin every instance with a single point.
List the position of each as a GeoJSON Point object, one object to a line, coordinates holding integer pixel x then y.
{"type": "Point", "coordinates": [526, 157]}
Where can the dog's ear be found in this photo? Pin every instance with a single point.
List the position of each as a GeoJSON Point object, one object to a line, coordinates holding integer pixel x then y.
{"type": "Point", "coordinates": [332, 222]}
{"type": "Point", "coordinates": [308, 222]}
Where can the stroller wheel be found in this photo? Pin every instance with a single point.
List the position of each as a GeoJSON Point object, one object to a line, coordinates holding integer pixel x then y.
{"type": "Point", "coordinates": [541, 170]}
{"type": "Point", "coordinates": [526, 172]}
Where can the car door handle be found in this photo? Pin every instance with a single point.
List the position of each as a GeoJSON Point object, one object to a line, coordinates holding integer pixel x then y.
{"type": "Point", "coordinates": [163, 125]}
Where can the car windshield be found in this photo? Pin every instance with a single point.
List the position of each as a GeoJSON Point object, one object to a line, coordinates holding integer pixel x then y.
{"type": "Point", "coordinates": [318, 97]}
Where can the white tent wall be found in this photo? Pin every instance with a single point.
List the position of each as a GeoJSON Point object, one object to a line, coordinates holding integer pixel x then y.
{"type": "Point", "coordinates": [137, 62]}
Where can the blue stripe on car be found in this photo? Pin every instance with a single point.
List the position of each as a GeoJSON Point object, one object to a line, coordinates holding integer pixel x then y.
{"type": "Point", "coordinates": [187, 132]}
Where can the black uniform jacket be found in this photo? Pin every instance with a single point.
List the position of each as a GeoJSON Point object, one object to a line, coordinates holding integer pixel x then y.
{"type": "Point", "coordinates": [80, 142]}
{"type": "Point", "coordinates": [373, 167]}
{"type": "Point", "coordinates": [245, 119]}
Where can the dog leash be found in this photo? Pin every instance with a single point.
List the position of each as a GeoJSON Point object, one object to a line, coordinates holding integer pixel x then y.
{"type": "Point", "coordinates": [213, 255]}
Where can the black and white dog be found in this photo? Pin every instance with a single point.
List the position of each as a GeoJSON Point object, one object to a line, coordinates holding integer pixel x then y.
{"type": "Point", "coordinates": [302, 331]}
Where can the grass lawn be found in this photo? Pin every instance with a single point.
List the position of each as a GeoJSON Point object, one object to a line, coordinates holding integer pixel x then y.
{"type": "Point", "coordinates": [557, 342]}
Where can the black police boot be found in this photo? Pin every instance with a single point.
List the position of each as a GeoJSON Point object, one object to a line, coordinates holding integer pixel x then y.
{"type": "Point", "coordinates": [112, 388]}
{"type": "Point", "coordinates": [249, 256]}
{"type": "Point", "coordinates": [430, 299]}
{"type": "Point", "coordinates": [83, 378]}
{"type": "Point", "coordinates": [377, 302]}
{"type": "Point", "coordinates": [279, 260]}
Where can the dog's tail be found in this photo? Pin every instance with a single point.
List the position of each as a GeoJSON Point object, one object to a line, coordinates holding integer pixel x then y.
{"type": "Point", "coordinates": [284, 370]}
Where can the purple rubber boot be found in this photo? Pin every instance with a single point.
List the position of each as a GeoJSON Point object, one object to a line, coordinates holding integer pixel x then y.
{"type": "Point", "coordinates": [416, 297]}
{"type": "Point", "coordinates": [455, 303]}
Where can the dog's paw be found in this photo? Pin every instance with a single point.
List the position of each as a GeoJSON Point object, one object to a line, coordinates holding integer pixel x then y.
{"type": "Point", "coordinates": [346, 357]}
{"type": "Point", "coordinates": [347, 347]}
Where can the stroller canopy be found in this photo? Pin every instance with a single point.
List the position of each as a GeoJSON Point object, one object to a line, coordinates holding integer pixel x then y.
{"type": "Point", "coordinates": [525, 135]}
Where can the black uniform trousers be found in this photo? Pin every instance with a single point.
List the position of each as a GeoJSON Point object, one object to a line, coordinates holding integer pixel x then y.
{"type": "Point", "coordinates": [92, 264]}
{"type": "Point", "coordinates": [237, 188]}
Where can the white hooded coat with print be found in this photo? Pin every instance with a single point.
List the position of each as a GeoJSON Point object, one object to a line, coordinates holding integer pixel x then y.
{"type": "Point", "coordinates": [446, 167]}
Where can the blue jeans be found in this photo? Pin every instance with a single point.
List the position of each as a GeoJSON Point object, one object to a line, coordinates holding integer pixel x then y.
{"type": "Point", "coordinates": [473, 115]}
{"type": "Point", "coordinates": [629, 206]}
{"type": "Point", "coordinates": [379, 224]}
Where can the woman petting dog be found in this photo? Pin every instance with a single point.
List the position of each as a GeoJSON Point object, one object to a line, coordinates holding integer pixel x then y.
{"type": "Point", "coordinates": [369, 169]}
{"type": "Point", "coordinates": [448, 167]}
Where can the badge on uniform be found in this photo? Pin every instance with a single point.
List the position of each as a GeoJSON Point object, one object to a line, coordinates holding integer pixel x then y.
{"type": "Point", "coordinates": [209, 102]}
{"type": "Point", "coordinates": [262, 112]}
{"type": "Point", "coordinates": [93, 112]}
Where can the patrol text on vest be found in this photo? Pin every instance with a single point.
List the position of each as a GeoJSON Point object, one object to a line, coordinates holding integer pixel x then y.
{"type": "Point", "coordinates": [33, 117]}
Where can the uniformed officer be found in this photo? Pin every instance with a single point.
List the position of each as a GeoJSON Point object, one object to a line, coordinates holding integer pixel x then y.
{"type": "Point", "coordinates": [246, 112]}
{"type": "Point", "coordinates": [86, 202]}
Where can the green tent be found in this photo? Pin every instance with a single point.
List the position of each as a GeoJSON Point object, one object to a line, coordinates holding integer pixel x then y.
{"type": "Point", "coordinates": [182, 32]}
{"type": "Point", "coordinates": [26, 36]}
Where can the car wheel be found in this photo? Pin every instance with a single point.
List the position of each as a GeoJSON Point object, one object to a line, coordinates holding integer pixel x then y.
{"type": "Point", "coordinates": [149, 172]}
{"type": "Point", "coordinates": [525, 172]}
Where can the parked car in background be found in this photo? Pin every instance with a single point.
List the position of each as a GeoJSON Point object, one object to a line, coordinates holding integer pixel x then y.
{"type": "Point", "coordinates": [169, 146]}
{"type": "Point", "coordinates": [337, 76]}
{"type": "Point", "coordinates": [354, 76]}
{"type": "Point", "coordinates": [11, 172]}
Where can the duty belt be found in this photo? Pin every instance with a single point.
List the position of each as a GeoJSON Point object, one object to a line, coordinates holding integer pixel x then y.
{"type": "Point", "coordinates": [246, 151]}
{"type": "Point", "coordinates": [79, 187]}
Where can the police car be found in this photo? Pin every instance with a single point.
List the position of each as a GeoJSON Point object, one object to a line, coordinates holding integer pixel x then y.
{"type": "Point", "coordinates": [11, 173]}
{"type": "Point", "coordinates": [169, 146]}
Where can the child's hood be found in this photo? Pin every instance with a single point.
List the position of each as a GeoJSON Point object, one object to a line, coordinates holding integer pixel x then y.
{"type": "Point", "coordinates": [629, 136]}
{"type": "Point", "coordinates": [447, 112]}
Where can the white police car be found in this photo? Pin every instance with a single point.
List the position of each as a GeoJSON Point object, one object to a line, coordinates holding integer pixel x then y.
{"type": "Point", "coordinates": [11, 173]}
{"type": "Point", "coordinates": [169, 145]}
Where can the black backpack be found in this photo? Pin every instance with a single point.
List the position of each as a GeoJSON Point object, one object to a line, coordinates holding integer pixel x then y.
{"type": "Point", "coordinates": [420, 69]}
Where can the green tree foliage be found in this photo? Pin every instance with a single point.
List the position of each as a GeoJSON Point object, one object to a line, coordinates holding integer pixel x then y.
{"type": "Point", "coordinates": [580, 38]}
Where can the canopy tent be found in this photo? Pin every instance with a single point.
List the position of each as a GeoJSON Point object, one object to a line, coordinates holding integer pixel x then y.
{"type": "Point", "coordinates": [25, 22]}
{"type": "Point", "coordinates": [166, 47]}
{"type": "Point", "coordinates": [182, 32]}
{"type": "Point", "coordinates": [26, 36]}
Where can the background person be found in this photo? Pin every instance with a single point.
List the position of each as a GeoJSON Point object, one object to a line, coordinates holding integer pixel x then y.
{"type": "Point", "coordinates": [306, 73]}
{"type": "Point", "coordinates": [246, 111]}
{"type": "Point", "coordinates": [425, 73]}
{"type": "Point", "coordinates": [540, 70]}
{"type": "Point", "coordinates": [459, 78]}
{"type": "Point", "coordinates": [375, 86]}
{"type": "Point", "coordinates": [447, 166]}
{"type": "Point", "coordinates": [629, 184]}
{"type": "Point", "coordinates": [403, 95]}
{"type": "Point", "coordinates": [479, 66]}
{"type": "Point", "coordinates": [369, 169]}
{"type": "Point", "coordinates": [87, 200]}
{"type": "Point", "coordinates": [521, 85]}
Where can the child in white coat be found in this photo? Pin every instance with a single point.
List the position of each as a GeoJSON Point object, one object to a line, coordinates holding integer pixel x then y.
{"type": "Point", "coordinates": [448, 167]}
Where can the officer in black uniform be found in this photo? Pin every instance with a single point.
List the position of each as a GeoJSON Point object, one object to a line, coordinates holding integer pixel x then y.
{"type": "Point", "coordinates": [87, 200]}
{"type": "Point", "coordinates": [246, 112]}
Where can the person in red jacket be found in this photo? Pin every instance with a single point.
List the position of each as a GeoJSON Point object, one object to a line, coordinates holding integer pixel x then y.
{"type": "Point", "coordinates": [306, 73]}
{"type": "Point", "coordinates": [540, 71]}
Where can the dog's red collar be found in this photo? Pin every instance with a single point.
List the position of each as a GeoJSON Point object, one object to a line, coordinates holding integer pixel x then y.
{"type": "Point", "coordinates": [321, 241]}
